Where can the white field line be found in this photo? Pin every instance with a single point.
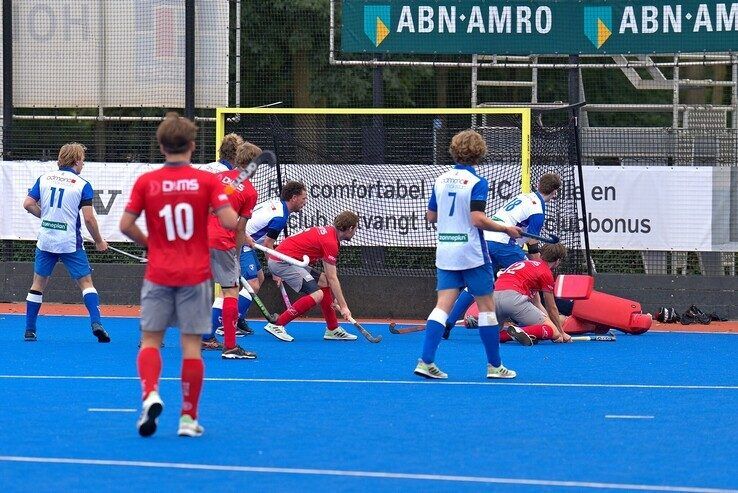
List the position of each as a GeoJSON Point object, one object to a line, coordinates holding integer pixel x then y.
{"type": "Point", "coordinates": [365, 474]}
{"type": "Point", "coordinates": [111, 410]}
{"type": "Point", "coordinates": [387, 382]}
{"type": "Point", "coordinates": [627, 416]}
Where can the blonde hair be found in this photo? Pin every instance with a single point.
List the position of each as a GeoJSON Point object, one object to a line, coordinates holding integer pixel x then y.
{"type": "Point", "coordinates": [246, 153]}
{"type": "Point", "coordinates": [468, 147]}
{"type": "Point", "coordinates": [70, 154]}
{"type": "Point", "coordinates": [229, 146]}
{"type": "Point", "coordinates": [551, 252]}
{"type": "Point", "coordinates": [175, 133]}
{"type": "Point", "coordinates": [346, 220]}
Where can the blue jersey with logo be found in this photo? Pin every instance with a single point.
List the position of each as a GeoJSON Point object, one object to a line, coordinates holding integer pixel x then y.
{"type": "Point", "coordinates": [526, 210]}
{"type": "Point", "coordinates": [60, 195]}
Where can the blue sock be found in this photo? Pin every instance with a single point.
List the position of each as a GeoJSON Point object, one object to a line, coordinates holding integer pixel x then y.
{"type": "Point", "coordinates": [244, 302]}
{"type": "Point", "coordinates": [463, 302]}
{"type": "Point", "coordinates": [92, 302]}
{"type": "Point", "coordinates": [433, 331]}
{"type": "Point", "coordinates": [490, 335]}
{"type": "Point", "coordinates": [33, 305]}
{"type": "Point", "coordinates": [216, 318]}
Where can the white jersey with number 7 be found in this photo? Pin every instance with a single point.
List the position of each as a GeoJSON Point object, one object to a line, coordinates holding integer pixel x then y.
{"type": "Point", "coordinates": [460, 244]}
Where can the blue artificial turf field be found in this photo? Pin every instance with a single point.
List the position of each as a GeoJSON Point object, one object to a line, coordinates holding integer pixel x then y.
{"type": "Point", "coordinates": [649, 413]}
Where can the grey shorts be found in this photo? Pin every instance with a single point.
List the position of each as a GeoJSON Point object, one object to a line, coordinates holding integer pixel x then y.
{"type": "Point", "coordinates": [225, 266]}
{"type": "Point", "coordinates": [513, 306]}
{"type": "Point", "coordinates": [185, 307]}
{"type": "Point", "coordinates": [299, 279]}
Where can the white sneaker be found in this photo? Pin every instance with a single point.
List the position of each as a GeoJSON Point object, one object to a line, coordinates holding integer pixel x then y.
{"type": "Point", "coordinates": [338, 334]}
{"type": "Point", "coordinates": [518, 335]}
{"type": "Point", "coordinates": [499, 372]}
{"type": "Point", "coordinates": [152, 408]}
{"type": "Point", "coordinates": [278, 332]}
{"type": "Point", "coordinates": [189, 427]}
{"type": "Point", "coordinates": [429, 370]}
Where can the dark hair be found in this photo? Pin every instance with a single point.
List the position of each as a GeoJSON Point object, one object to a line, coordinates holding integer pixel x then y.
{"type": "Point", "coordinates": [175, 133]}
{"type": "Point", "coordinates": [548, 183]}
{"type": "Point", "coordinates": [291, 189]}
{"type": "Point", "coordinates": [551, 252]}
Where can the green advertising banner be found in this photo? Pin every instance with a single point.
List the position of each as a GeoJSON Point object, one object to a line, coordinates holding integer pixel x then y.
{"type": "Point", "coordinates": [537, 27]}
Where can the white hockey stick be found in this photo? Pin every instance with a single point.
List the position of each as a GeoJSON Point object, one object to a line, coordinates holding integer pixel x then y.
{"type": "Point", "coordinates": [285, 258]}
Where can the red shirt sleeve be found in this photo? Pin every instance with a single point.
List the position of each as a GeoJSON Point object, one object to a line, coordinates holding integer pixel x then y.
{"type": "Point", "coordinates": [218, 198]}
{"type": "Point", "coordinates": [329, 245]}
{"type": "Point", "coordinates": [136, 200]}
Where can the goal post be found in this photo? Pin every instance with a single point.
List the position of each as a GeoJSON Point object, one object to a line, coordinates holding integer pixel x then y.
{"type": "Point", "coordinates": [382, 164]}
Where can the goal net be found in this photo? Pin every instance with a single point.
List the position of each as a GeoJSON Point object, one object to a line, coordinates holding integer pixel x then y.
{"type": "Point", "coordinates": [382, 163]}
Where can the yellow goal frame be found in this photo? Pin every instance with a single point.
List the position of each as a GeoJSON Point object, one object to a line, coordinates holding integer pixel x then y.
{"type": "Point", "coordinates": [525, 114]}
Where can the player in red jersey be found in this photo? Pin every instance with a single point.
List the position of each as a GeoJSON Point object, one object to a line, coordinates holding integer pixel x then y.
{"type": "Point", "coordinates": [224, 247]}
{"type": "Point", "coordinates": [517, 296]}
{"type": "Point", "coordinates": [177, 200]}
{"type": "Point", "coordinates": [318, 243]}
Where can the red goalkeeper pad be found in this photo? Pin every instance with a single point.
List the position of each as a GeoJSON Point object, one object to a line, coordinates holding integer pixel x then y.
{"type": "Point", "coordinates": [606, 309]}
{"type": "Point", "coordinates": [573, 287]}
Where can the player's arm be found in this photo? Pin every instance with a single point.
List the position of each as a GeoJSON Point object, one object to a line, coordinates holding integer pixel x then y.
{"type": "Point", "coordinates": [535, 225]}
{"type": "Point", "coordinates": [31, 205]}
{"type": "Point", "coordinates": [431, 214]}
{"type": "Point", "coordinates": [479, 218]}
{"type": "Point", "coordinates": [31, 202]}
{"type": "Point", "coordinates": [553, 314]}
{"type": "Point", "coordinates": [227, 217]}
{"type": "Point", "coordinates": [331, 275]}
{"type": "Point", "coordinates": [129, 228]}
{"type": "Point", "coordinates": [242, 238]}
{"type": "Point", "coordinates": [91, 222]}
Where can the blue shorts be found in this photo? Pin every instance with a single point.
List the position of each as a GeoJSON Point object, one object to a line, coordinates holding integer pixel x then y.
{"type": "Point", "coordinates": [76, 263]}
{"type": "Point", "coordinates": [250, 265]}
{"type": "Point", "coordinates": [479, 280]}
{"type": "Point", "coordinates": [504, 254]}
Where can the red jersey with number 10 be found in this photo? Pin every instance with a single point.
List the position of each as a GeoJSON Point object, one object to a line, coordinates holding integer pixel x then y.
{"type": "Point", "coordinates": [318, 243]}
{"type": "Point", "coordinates": [243, 200]}
{"type": "Point", "coordinates": [526, 278]}
{"type": "Point", "coordinates": [177, 200]}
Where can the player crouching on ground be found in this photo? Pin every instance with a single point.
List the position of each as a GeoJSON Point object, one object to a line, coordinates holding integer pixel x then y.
{"type": "Point", "coordinates": [58, 198]}
{"type": "Point", "coordinates": [517, 298]}
{"type": "Point", "coordinates": [318, 243]}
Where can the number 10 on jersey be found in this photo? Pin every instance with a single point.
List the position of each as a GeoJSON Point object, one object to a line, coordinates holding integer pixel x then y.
{"type": "Point", "coordinates": [179, 221]}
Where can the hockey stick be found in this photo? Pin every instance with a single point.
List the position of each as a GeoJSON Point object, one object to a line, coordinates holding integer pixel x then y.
{"type": "Point", "coordinates": [609, 337]}
{"type": "Point", "coordinates": [364, 332]}
{"type": "Point", "coordinates": [543, 239]}
{"type": "Point", "coordinates": [285, 298]}
{"type": "Point", "coordinates": [266, 157]}
{"type": "Point", "coordinates": [271, 318]}
{"type": "Point", "coordinates": [143, 260]}
{"type": "Point", "coordinates": [405, 328]}
{"type": "Point", "coordinates": [285, 258]}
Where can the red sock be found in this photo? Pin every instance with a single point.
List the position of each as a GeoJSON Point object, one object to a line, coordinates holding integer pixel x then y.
{"type": "Point", "coordinates": [149, 369]}
{"type": "Point", "coordinates": [504, 336]}
{"type": "Point", "coordinates": [328, 312]}
{"type": "Point", "coordinates": [299, 307]}
{"type": "Point", "coordinates": [192, 373]}
{"type": "Point", "coordinates": [542, 332]}
{"type": "Point", "coordinates": [230, 314]}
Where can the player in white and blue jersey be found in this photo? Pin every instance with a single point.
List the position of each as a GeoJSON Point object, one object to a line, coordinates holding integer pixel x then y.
{"type": "Point", "coordinates": [525, 210]}
{"type": "Point", "coordinates": [267, 222]}
{"type": "Point", "coordinates": [58, 198]}
{"type": "Point", "coordinates": [226, 153]}
{"type": "Point", "coordinates": [457, 206]}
